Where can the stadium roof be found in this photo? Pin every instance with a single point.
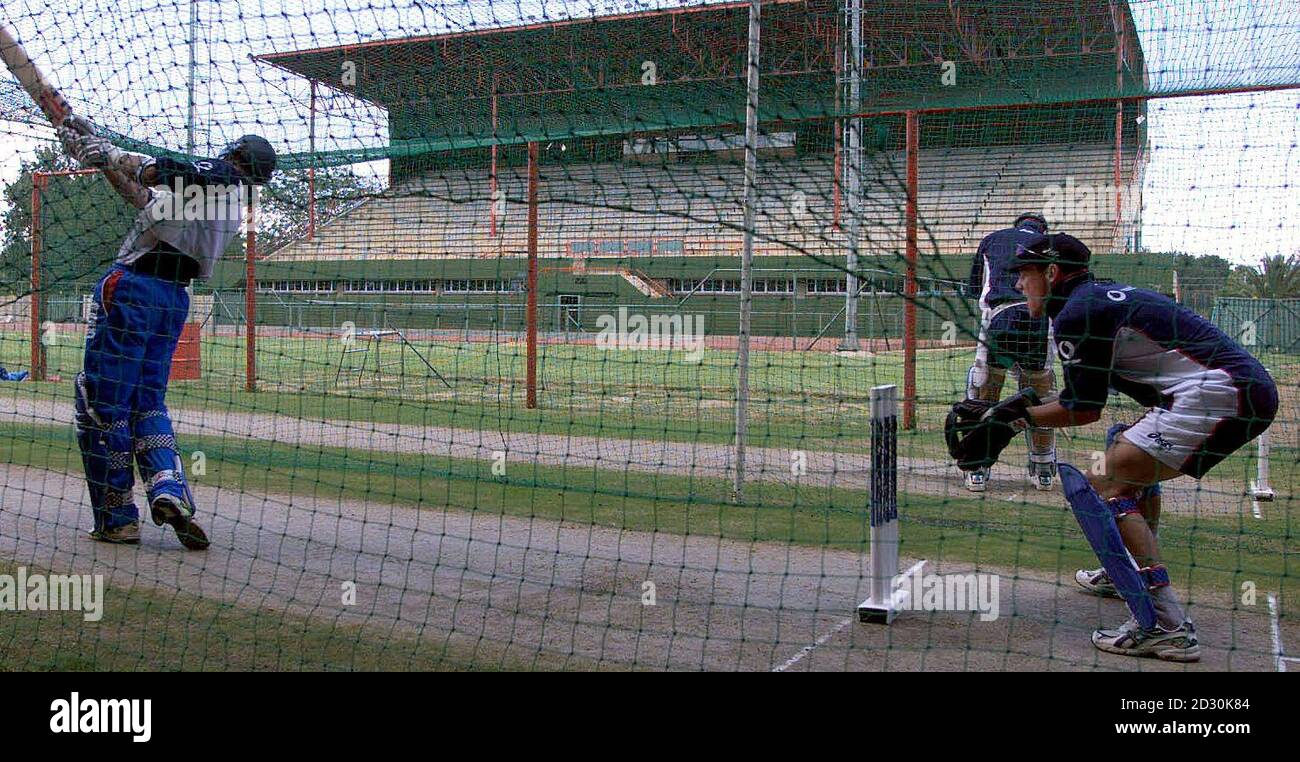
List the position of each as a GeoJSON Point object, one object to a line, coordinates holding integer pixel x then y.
{"type": "Point", "coordinates": [588, 76]}
{"type": "Point", "coordinates": [684, 68]}
{"type": "Point", "coordinates": [514, 54]}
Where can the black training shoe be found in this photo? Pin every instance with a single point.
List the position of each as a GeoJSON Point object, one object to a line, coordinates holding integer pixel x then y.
{"type": "Point", "coordinates": [173, 511]}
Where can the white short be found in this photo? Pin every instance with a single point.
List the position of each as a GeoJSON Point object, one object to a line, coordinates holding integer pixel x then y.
{"type": "Point", "coordinates": [1173, 436]}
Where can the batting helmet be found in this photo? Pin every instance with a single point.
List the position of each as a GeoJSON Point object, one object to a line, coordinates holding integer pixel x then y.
{"type": "Point", "coordinates": [1035, 216]}
{"type": "Point", "coordinates": [255, 154]}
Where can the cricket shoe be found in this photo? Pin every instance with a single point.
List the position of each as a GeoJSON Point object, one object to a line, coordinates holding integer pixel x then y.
{"type": "Point", "coordinates": [977, 480]}
{"type": "Point", "coordinates": [1042, 476]}
{"type": "Point", "coordinates": [1129, 639]}
{"type": "Point", "coordinates": [127, 534]}
{"type": "Point", "coordinates": [173, 511]}
{"type": "Point", "coordinates": [1097, 582]}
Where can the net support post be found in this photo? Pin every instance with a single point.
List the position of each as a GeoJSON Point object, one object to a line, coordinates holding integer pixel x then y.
{"type": "Point", "coordinates": [250, 295]}
{"type": "Point", "coordinates": [887, 597]}
{"type": "Point", "coordinates": [311, 168]}
{"type": "Point", "coordinates": [852, 175]}
{"type": "Point", "coordinates": [913, 136]}
{"type": "Point", "coordinates": [747, 253]}
{"type": "Point", "coordinates": [531, 391]}
{"type": "Point", "coordinates": [34, 311]}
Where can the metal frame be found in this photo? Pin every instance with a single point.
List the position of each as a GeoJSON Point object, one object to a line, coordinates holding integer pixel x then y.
{"type": "Point", "coordinates": [40, 181]}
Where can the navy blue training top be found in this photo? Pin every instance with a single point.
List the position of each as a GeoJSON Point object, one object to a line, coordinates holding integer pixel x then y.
{"type": "Point", "coordinates": [1141, 343]}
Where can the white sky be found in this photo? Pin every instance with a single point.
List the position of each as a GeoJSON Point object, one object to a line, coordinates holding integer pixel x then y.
{"type": "Point", "coordinates": [1223, 177]}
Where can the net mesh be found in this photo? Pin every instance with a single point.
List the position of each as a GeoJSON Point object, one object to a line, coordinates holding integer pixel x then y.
{"type": "Point", "coordinates": [467, 395]}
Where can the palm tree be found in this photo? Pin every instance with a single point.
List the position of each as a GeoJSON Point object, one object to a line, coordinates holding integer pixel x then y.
{"type": "Point", "coordinates": [1276, 277]}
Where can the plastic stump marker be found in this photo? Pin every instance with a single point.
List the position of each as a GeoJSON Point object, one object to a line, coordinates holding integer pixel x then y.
{"type": "Point", "coordinates": [1260, 491]}
{"type": "Point", "coordinates": [885, 602]}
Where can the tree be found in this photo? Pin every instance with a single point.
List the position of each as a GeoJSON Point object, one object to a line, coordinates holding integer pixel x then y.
{"type": "Point", "coordinates": [83, 221]}
{"type": "Point", "coordinates": [16, 224]}
{"type": "Point", "coordinates": [1276, 277]}
{"type": "Point", "coordinates": [284, 202]}
{"type": "Point", "coordinates": [1208, 267]}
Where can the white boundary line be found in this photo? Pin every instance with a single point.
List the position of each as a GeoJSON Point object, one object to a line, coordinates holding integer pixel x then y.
{"type": "Point", "coordinates": [793, 660]}
{"type": "Point", "coordinates": [1279, 660]}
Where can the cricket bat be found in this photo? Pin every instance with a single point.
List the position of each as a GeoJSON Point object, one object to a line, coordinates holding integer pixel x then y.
{"type": "Point", "coordinates": [46, 95]}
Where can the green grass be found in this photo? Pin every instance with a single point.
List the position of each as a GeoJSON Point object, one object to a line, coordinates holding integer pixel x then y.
{"type": "Point", "coordinates": [806, 398]}
{"type": "Point", "coordinates": [800, 400]}
{"type": "Point", "coordinates": [1210, 551]}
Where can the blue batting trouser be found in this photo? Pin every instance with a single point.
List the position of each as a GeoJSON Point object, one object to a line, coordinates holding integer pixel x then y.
{"type": "Point", "coordinates": [134, 325]}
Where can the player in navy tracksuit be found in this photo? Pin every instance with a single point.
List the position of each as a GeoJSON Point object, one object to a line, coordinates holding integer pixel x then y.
{"type": "Point", "coordinates": [1010, 339]}
{"type": "Point", "coordinates": [1207, 398]}
{"type": "Point", "coordinates": [189, 213]}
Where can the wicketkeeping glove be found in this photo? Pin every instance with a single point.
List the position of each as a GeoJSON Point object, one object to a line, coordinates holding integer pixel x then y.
{"type": "Point", "coordinates": [977, 432]}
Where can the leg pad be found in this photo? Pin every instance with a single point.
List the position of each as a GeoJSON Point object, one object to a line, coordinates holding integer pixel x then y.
{"type": "Point", "coordinates": [1097, 520]}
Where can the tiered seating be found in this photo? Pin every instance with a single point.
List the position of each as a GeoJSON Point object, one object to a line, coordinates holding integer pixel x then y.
{"type": "Point", "coordinates": [617, 208]}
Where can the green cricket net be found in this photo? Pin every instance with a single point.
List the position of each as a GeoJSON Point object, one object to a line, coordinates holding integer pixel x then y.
{"type": "Point", "coordinates": [518, 366]}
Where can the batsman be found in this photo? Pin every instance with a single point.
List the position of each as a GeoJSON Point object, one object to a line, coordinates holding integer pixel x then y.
{"type": "Point", "coordinates": [139, 308]}
{"type": "Point", "coordinates": [1206, 397]}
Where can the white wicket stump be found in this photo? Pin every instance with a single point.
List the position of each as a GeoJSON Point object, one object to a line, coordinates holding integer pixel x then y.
{"type": "Point", "coordinates": [884, 603]}
{"type": "Point", "coordinates": [1260, 491]}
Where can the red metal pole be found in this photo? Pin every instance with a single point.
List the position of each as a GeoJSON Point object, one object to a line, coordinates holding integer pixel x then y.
{"type": "Point", "coordinates": [837, 135]}
{"type": "Point", "coordinates": [38, 349]}
{"type": "Point", "coordinates": [1119, 158]}
{"type": "Point", "coordinates": [492, 173]}
{"type": "Point", "coordinates": [1117, 16]}
{"type": "Point", "coordinates": [250, 297]}
{"type": "Point", "coordinates": [909, 301]}
{"type": "Point", "coordinates": [532, 275]}
{"type": "Point", "coordinates": [311, 170]}
{"type": "Point", "coordinates": [837, 164]}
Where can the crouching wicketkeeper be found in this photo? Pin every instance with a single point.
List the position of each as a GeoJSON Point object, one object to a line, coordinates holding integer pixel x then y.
{"type": "Point", "coordinates": [1207, 398]}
